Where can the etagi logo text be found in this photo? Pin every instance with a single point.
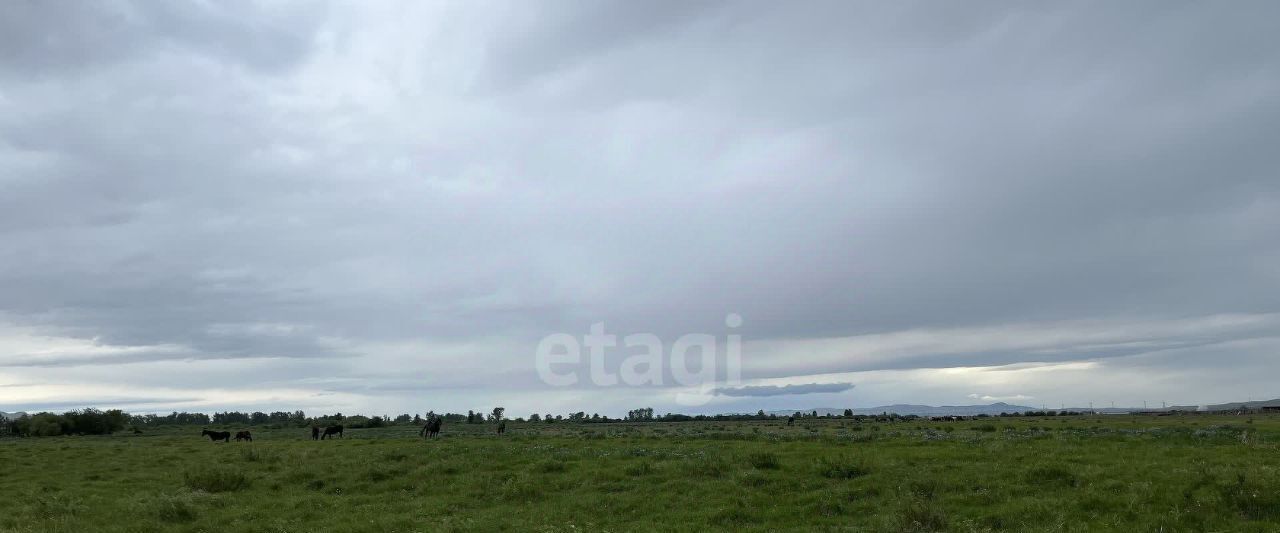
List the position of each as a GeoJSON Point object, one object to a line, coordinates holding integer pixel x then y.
{"type": "Point", "coordinates": [691, 361]}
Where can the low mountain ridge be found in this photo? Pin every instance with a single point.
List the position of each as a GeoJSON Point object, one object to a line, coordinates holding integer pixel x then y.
{"type": "Point", "coordinates": [920, 410]}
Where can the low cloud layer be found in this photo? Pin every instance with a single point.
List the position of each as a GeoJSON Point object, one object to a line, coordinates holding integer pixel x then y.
{"type": "Point", "coordinates": [384, 207]}
{"type": "Point", "coordinates": [783, 390]}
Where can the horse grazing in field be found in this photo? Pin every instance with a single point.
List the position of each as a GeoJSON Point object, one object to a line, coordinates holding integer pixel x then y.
{"type": "Point", "coordinates": [332, 430]}
{"type": "Point", "coordinates": [243, 435]}
{"type": "Point", "coordinates": [502, 427]}
{"type": "Point", "coordinates": [215, 436]}
{"type": "Point", "coordinates": [315, 432]}
{"type": "Point", "coordinates": [432, 427]}
{"type": "Point", "coordinates": [791, 420]}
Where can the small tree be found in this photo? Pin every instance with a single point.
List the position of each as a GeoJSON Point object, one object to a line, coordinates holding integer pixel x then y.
{"type": "Point", "coordinates": [496, 416]}
{"type": "Point", "coordinates": [535, 418]}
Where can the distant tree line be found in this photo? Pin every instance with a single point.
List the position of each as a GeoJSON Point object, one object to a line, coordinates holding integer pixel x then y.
{"type": "Point", "coordinates": [96, 422]}
{"type": "Point", "coordinates": [80, 422]}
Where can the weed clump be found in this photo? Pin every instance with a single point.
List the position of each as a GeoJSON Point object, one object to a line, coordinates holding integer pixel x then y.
{"type": "Point", "coordinates": [641, 468]}
{"type": "Point", "coordinates": [174, 508]}
{"type": "Point", "coordinates": [764, 460]}
{"type": "Point", "coordinates": [1052, 475]}
{"type": "Point", "coordinates": [715, 467]}
{"type": "Point", "coordinates": [215, 479]}
{"type": "Point", "coordinates": [842, 468]}
{"type": "Point", "coordinates": [1254, 500]}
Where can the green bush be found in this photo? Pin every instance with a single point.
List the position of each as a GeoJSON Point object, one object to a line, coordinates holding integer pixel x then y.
{"type": "Point", "coordinates": [84, 421]}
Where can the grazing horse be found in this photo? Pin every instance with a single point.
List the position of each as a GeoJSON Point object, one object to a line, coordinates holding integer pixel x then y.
{"type": "Point", "coordinates": [215, 436]}
{"type": "Point", "coordinates": [791, 420]}
{"type": "Point", "coordinates": [244, 435]}
{"type": "Point", "coordinates": [432, 427]}
{"type": "Point", "coordinates": [502, 427]}
{"type": "Point", "coordinates": [332, 430]}
{"type": "Point", "coordinates": [315, 432]}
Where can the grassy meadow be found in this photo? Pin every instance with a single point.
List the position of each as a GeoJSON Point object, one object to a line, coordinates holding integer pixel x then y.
{"type": "Point", "coordinates": [1103, 473]}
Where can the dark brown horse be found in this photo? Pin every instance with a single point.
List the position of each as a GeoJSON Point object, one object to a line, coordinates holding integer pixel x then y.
{"type": "Point", "coordinates": [244, 435]}
{"type": "Point", "coordinates": [432, 427]}
{"type": "Point", "coordinates": [502, 427]}
{"type": "Point", "coordinates": [332, 430]}
{"type": "Point", "coordinates": [315, 432]}
{"type": "Point", "coordinates": [215, 436]}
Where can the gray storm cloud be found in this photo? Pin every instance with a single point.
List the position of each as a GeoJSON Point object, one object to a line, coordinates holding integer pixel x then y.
{"type": "Point", "coordinates": [386, 206]}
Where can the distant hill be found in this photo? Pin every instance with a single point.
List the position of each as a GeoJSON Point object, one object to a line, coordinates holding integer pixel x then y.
{"type": "Point", "coordinates": [1001, 407]}
{"type": "Point", "coordinates": [11, 416]}
{"type": "Point", "coordinates": [922, 410]}
{"type": "Point", "coordinates": [1235, 406]}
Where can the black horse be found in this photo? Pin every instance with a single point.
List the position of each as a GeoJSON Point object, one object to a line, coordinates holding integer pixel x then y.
{"type": "Point", "coordinates": [432, 427]}
{"type": "Point", "coordinates": [244, 435]}
{"type": "Point", "coordinates": [332, 430]}
{"type": "Point", "coordinates": [215, 436]}
{"type": "Point", "coordinates": [502, 427]}
{"type": "Point", "coordinates": [315, 432]}
{"type": "Point", "coordinates": [791, 420]}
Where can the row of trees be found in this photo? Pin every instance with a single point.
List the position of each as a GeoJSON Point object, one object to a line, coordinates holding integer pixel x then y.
{"type": "Point", "coordinates": [95, 422]}
{"type": "Point", "coordinates": [259, 418]}
{"type": "Point", "coordinates": [81, 422]}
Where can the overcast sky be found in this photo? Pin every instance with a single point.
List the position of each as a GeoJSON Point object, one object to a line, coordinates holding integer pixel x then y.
{"type": "Point", "coordinates": [382, 208]}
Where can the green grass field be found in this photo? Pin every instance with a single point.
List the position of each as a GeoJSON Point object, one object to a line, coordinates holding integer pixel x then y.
{"type": "Point", "coordinates": [1173, 473]}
